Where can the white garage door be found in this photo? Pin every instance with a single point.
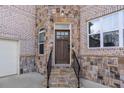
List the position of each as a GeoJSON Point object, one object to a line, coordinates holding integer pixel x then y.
{"type": "Point", "coordinates": [8, 57]}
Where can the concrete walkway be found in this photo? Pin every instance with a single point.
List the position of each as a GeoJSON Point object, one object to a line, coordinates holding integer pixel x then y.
{"type": "Point", "coordinates": [28, 80]}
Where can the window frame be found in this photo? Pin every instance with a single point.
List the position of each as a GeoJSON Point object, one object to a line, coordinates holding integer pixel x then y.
{"type": "Point", "coordinates": [110, 32]}
{"type": "Point", "coordinates": [41, 31]}
{"type": "Point", "coordinates": [120, 29]}
{"type": "Point", "coordinates": [88, 34]}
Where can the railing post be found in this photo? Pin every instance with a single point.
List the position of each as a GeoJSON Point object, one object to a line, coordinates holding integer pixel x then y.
{"type": "Point", "coordinates": [47, 83]}
{"type": "Point", "coordinates": [49, 67]}
{"type": "Point", "coordinates": [78, 84]}
{"type": "Point", "coordinates": [76, 67]}
{"type": "Point", "coordinates": [79, 78]}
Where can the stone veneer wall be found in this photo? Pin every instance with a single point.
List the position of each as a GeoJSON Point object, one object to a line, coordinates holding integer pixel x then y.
{"type": "Point", "coordinates": [102, 65]}
{"type": "Point", "coordinates": [103, 69]}
{"type": "Point", "coordinates": [18, 23]}
{"type": "Point", "coordinates": [27, 64]}
{"type": "Point", "coordinates": [41, 21]}
{"type": "Point", "coordinates": [46, 17]}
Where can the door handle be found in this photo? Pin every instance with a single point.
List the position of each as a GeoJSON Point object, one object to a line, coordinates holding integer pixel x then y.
{"type": "Point", "coordinates": [68, 46]}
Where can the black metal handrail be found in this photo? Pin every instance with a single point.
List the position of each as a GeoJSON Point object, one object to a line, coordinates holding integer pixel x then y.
{"type": "Point", "coordinates": [76, 67]}
{"type": "Point", "coordinates": [49, 67]}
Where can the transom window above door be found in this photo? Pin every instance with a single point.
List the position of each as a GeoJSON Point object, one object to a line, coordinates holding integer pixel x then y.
{"type": "Point", "coordinates": [62, 26]}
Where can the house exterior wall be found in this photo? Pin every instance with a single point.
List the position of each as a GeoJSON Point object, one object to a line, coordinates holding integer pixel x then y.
{"type": "Point", "coordinates": [18, 23]}
{"type": "Point", "coordinates": [47, 16]}
{"type": "Point", "coordinates": [102, 65]}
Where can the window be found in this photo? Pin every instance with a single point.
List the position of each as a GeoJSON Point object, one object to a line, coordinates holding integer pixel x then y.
{"type": "Point", "coordinates": [123, 37]}
{"type": "Point", "coordinates": [94, 33]}
{"type": "Point", "coordinates": [111, 38]}
{"type": "Point", "coordinates": [62, 35]}
{"type": "Point", "coordinates": [110, 22]}
{"type": "Point", "coordinates": [94, 40]}
{"type": "Point", "coordinates": [94, 27]}
{"type": "Point", "coordinates": [41, 49]}
{"type": "Point", "coordinates": [41, 41]}
{"type": "Point", "coordinates": [107, 31]}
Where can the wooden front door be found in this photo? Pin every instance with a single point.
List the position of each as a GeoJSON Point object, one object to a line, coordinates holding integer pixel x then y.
{"type": "Point", "coordinates": [62, 47]}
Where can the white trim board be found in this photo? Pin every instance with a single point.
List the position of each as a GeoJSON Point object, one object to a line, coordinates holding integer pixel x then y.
{"type": "Point", "coordinates": [62, 65]}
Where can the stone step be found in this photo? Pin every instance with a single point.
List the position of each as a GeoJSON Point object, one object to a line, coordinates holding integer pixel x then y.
{"type": "Point", "coordinates": [62, 77]}
{"type": "Point", "coordinates": [63, 86]}
{"type": "Point", "coordinates": [70, 84]}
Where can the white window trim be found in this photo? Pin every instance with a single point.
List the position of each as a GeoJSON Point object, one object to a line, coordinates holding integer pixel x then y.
{"type": "Point", "coordinates": [121, 35]}
{"type": "Point", "coordinates": [42, 31]}
{"type": "Point", "coordinates": [70, 29]}
{"type": "Point", "coordinates": [101, 34]}
{"type": "Point", "coordinates": [121, 19]}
